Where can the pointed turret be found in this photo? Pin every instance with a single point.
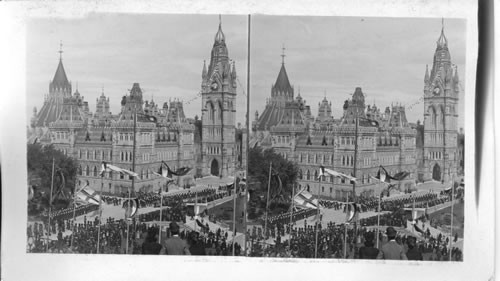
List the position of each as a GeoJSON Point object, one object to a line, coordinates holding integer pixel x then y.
{"type": "Point", "coordinates": [282, 83]}
{"type": "Point", "coordinates": [426, 77]}
{"type": "Point", "coordinates": [455, 77]}
{"type": "Point", "coordinates": [60, 83]}
{"type": "Point", "coordinates": [204, 71]}
{"type": "Point", "coordinates": [233, 72]}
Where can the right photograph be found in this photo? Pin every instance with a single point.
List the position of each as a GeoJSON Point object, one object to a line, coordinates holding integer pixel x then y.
{"type": "Point", "coordinates": [356, 138]}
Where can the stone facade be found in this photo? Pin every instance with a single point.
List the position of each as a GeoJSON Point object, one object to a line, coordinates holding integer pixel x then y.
{"type": "Point", "coordinates": [330, 142]}
{"type": "Point", "coordinates": [441, 89]}
{"type": "Point", "coordinates": [218, 91]}
{"type": "Point", "coordinates": [66, 122]}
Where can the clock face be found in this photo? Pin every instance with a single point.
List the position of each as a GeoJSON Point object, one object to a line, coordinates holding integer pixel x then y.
{"type": "Point", "coordinates": [214, 86]}
{"type": "Point", "coordinates": [436, 91]}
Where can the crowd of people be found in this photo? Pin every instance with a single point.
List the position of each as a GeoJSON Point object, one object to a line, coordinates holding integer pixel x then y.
{"type": "Point", "coordinates": [83, 237]}
{"type": "Point", "coordinates": [335, 241]}
{"type": "Point", "coordinates": [153, 199]}
{"type": "Point", "coordinates": [143, 239]}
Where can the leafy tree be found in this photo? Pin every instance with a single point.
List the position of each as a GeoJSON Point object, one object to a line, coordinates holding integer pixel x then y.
{"type": "Point", "coordinates": [40, 166]}
{"type": "Point", "coordinates": [283, 176]}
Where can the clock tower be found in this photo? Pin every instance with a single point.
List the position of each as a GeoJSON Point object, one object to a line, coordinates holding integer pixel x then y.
{"type": "Point", "coordinates": [218, 91]}
{"type": "Point", "coordinates": [441, 89]}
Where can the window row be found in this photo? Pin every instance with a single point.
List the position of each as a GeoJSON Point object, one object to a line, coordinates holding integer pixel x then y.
{"type": "Point", "coordinates": [95, 155]}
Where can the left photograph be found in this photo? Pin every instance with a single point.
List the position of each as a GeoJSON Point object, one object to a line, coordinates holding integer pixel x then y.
{"type": "Point", "coordinates": [136, 142]}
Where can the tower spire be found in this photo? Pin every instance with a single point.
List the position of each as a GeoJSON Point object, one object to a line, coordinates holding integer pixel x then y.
{"type": "Point", "coordinates": [60, 50]}
{"type": "Point", "coordinates": [442, 41]}
{"type": "Point", "coordinates": [219, 37]}
{"type": "Point", "coordinates": [283, 54]}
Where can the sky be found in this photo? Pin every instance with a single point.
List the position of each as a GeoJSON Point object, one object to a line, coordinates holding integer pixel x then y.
{"type": "Point", "coordinates": [164, 53]}
{"type": "Point", "coordinates": [324, 56]}
{"type": "Point", "coordinates": [331, 56]}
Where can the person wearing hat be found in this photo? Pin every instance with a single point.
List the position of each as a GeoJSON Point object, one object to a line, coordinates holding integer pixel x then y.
{"type": "Point", "coordinates": [391, 250]}
{"type": "Point", "coordinates": [175, 245]}
{"type": "Point", "coordinates": [413, 252]}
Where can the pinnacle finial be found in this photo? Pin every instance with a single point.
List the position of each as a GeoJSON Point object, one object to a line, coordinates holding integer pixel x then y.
{"type": "Point", "coordinates": [442, 41]}
{"type": "Point", "coordinates": [60, 50]}
{"type": "Point", "coordinates": [219, 37]}
{"type": "Point", "coordinates": [283, 54]}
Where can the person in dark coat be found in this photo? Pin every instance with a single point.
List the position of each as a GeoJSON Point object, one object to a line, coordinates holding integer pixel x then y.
{"type": "Point", "coordinates": [175, 245]}
{"type": "Point", "coordinates": [196, 248]}
{"type": "Point", "coordinates": [413, 252]}
{"type": "Point", "coordinates": [391, 250]}
{"type": "Point", "coordinates": [151, 245]}
{"type": "Point", "coordinates": [368, 251]}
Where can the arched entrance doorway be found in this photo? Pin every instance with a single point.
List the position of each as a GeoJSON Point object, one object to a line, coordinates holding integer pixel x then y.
{"type": "Point", "coordinates": [436, 172]}
{"type": "Point", "coordinates": [214, 168]}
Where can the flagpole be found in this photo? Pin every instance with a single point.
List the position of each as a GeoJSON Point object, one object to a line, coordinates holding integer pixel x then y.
{"type": "Point", "coordinates": [248, 128]}
{"type": "Point", "coordinates": [50, 202]}
{"type": "Point", "coordinates": [451, 217]}
{"type": "Point", "coordinates": [267, 199]}
{"type": "Point", "coordinates": [100, 216]}
{"type": "Point", "coordinates": [293, 205]}
{"type": "Point", "coordinates": [133, 178]}
{"type": "Point", "coordinates": [74, 215]}
{"type": "Point", "coordinates": [161, 212]}
{"type": "Point", "coordinates": [413, 214]}
{"type": "Point", "coordinates": [345, 229]}
{"type": "Point", "coordinates": [234, 213]}
{"type": "Point", "coordinates": [378, 216]}
{"type": "Point", "coordinates": [195, 204]}
{"type": "Point", "coordinates": [317, 222]}
{"type": "Point", "coordinates": [354, 172]}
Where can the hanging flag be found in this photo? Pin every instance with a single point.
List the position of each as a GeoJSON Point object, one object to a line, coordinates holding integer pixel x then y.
{"type": "Point", "coordinates": [415, 226]}
{"type": "Point", "coordinates": [365, 122]}
{"type": "Point", "coordinates": [162, 172]}
{"type": "Point", "coordinates": [131, 206]}
{"type": "Point", "coordinates": [203, 227]}
{"type": "Point", "coordinates": [324, 171]}
{"type": "Point", "coordinates": [88, 195]}
{"type": "Point", "coordinates": [179, 172]}
{"type": "Point", "coordinates": [305, 200]}
{"type": "Point", "coordinates": [108, 168]}
{"type": "Point", "coordinates": [400, 176]}
{"type": "Point", "coordinates": [352, 209]}
{"type": "Point", "coordinates": [382, 175]}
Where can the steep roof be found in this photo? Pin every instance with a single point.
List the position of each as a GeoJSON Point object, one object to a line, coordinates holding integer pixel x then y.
{"type": "Point", "coordinates": [282, 83]}
{"type": "Point", "coordinates": [60, 77]}
{"type": "Point", "coordinates": [49, 112]}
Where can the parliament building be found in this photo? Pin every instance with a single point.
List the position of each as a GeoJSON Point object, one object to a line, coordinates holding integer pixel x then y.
{"type": "Point", "coordinates": [210, 145]}
{"type": "Point", "coordinates": [427, 152]}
